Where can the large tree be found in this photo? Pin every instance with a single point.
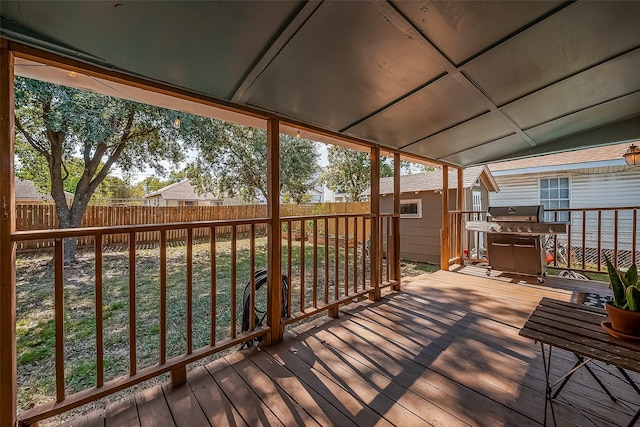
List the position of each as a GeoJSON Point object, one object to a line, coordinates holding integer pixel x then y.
{"type": "Point", "coordinates": [234, 163]}
{"type": "Point", "coordinates": [349, 171]}
{"type": "Point", "coordinates": [57, 124]}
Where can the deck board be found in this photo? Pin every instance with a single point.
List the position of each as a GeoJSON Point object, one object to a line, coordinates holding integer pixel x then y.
{"type": "Point", "coordinates": [153, 409]}
{"type": "Point", "coordinates": [443, 351]}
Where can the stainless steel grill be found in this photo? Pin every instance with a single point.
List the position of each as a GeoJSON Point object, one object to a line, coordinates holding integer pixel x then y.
{"type": "Point", "coordinates": [514, 241]}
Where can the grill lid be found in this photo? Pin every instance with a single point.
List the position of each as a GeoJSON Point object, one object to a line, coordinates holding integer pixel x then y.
{"type": "Point", "coordinates": [517, 213]}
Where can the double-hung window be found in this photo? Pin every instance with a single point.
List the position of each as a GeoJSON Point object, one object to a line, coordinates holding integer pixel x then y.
{"type": "Point", "coordinates": [554, 194]}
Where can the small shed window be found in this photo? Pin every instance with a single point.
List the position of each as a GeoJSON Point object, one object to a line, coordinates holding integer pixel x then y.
{"type": "Point", "coordinates": [411, 208]}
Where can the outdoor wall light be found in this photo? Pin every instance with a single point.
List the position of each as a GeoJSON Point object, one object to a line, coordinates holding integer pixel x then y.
{"type": "Point", "coordinates": [298, 135]}
{"type": "Point", "coordinates": [176, 123]}
{"type": "Point", "coordinates": [249, 134]}
{"type": "Point", "coordinates": [632, 156]}
{"type": "Point", "coordinates": [72, 74]}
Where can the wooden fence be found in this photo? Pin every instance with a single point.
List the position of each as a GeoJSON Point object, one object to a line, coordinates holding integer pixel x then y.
{"type": "Point", "coordinates": [43, 217]}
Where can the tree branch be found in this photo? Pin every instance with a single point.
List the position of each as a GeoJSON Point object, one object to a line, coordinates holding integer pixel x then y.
{"type": "Point", "coordinates": [37, 146]}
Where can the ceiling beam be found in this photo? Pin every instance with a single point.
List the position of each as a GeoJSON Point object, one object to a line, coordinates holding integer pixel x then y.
{"type": "Point", "coordinates": [242, 93]}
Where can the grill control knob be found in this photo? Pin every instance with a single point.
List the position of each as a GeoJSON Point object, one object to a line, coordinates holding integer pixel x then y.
{"type": "Point", "coordinates": [519, 229]}
{"type": "Point", "coordinates": [529, 229]}
{"type": "Point", "coordinates": [551, 230]}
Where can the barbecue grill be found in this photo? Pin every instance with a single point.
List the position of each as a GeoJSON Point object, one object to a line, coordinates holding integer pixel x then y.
{"type": "Point", "coordinates": [514, 241]}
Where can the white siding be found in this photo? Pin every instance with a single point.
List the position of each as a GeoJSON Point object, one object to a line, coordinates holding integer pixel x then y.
{"type": "Point", "coordinates": [589, 188]}
{"type": "Point", "coordinates": [620, 189]}
{"type": "Point", "coordinates": [515, 190]}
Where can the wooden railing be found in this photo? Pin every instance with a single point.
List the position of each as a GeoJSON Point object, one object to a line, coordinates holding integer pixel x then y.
{"type": "Point", "coordinates": [591, 234]}
{"type": "Point", "coordinates": [335, 262]}
{"type": "Point", "coordinates": [176, 364]}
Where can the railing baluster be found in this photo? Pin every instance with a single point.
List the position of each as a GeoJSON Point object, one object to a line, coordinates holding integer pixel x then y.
{"type": "Point", "coordinates": [355, 254]}
{"type": "Point", "coordinates": [364, 253]}
{"type": "Point", "coordinates": [214, 284]}
{"type": "Point", "coordinates": [289, 269]}
{"type": "Point", "coordinates": [346, 256]}
{"type": "Point", "coordinates": [336, 259]}
{"type": "Point", "coordinates": [569, 240]}
{"type": "Point", "coordinates": [599, 240]}
{"type": "Point", "coordinates": [189, 290]}
{"type": "Point", "coordinates": [132, 305]}
{"type": "Point", "coordinates": [315, 262]}
{"type": "Point", "coordinates": [58, 258]}
{"type": "Point", "coordinates": [615, 238]}
{"type": "Point", "coordinates": [387, 220]}
{"type": "Point", "coordinates": [302, 261]}
{"type": "Point", "coordinates": [584, 234]}
{"type": "Point", "coordinates": [99, 332]}
{"type": "Point", "coordinates": [234, 267]}
{"type": "Point", "coordinates": [326, 260]}
{"type": "Point", "coordinates": [252, 279]}
{"type": "Point", "coordinates": [163, 296]}
{"type": "Point", "coordinates": [634, 236]}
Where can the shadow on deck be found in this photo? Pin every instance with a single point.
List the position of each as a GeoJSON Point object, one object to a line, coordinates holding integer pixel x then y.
{"type": "Point", "coordinates": [443, 351]}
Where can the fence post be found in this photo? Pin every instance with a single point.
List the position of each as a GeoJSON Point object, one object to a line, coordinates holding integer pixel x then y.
{"type": "Point", "coordinates": [8, 386]}
{"type": "Point", "coordinates": [460, 207]}
{"type": "Point", "coordinates": [274, 241]}
{"type": "Point", "coordinates": [374, 257]}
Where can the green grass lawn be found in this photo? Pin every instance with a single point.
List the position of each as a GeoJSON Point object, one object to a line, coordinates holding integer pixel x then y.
{"type": "Point", "coordinates": [35, 325]}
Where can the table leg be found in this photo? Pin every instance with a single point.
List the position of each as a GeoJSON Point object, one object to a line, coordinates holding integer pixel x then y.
{"type": "Point", "coordinates": [548, 399]}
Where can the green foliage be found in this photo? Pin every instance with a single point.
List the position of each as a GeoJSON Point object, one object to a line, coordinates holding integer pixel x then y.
{"type": "Point", "coordinates": [626, 289]}
{"type": "Point", "coordinates": [233, 162]}
{"type": "Point", "coordinates": [349, 171]}
{"type": "Point", "coordinates": [70, 139]}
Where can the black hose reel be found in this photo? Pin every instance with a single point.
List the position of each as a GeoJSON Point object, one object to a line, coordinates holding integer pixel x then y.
{"type": "Point", "coordinates": [260, 315]}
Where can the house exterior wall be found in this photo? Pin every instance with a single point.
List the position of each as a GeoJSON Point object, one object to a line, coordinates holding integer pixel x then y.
{"type": "Point", "coordinates": [588, 188]}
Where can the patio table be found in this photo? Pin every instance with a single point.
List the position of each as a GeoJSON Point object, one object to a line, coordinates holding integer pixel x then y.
{"type": "Point", "coordinates": [577, 329]}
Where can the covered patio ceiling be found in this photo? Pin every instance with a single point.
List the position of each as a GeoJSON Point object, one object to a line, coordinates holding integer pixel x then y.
{"type": "Point", "coordinates": [458, 82]}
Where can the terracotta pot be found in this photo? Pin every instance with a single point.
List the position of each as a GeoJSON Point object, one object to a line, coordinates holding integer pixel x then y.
{"type": "Point", "coordinates": [623, 321]}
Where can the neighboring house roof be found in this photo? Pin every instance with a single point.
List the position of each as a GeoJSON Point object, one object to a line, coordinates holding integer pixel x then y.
{"type": "Point", "coordinates": [27, 190]}
{"type": "Point", "coordinates": [608, 155]}
{"type": "Point", "coordinates": [430, 181]}
{"type": "Point", "coordinates": [182, 190]}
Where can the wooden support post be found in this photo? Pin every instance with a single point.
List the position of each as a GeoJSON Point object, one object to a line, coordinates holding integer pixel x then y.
{"type": "Point", "coordinates": [444, 233]}
{"type": "Point", "coordinates": [8, 384]}
{"type": "Point", "coordinates": [460, 208]}
{"type": "Point", "coordinates": [274, 242]}
{"type": "Point", "coordinates": [374, 250]}
{"type": "Point", "coordinates": [179, 376]}
{"type": "Point", "coordinates": [396, 221]}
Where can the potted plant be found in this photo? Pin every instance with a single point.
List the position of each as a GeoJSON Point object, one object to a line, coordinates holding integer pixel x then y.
{"type": "Point", "coordinates": [624, 310]}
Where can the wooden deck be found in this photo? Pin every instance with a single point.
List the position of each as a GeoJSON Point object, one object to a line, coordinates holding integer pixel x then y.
{"type": "Point", "coordinates": [444, 351]}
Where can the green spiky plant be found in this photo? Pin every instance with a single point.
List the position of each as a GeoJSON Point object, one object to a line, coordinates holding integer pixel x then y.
{"type": "Point", "coordinates": [626, 289]}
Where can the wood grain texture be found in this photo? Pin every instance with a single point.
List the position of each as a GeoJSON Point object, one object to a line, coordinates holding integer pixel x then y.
{"type": "Point", "coordinates": [444, 351]}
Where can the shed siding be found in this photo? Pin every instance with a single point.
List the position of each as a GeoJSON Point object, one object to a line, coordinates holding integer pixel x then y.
{"type": "Point", "coordinates": [419, 237]}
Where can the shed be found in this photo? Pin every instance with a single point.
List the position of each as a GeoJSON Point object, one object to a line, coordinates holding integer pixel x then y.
{"type": "Point", "coordinates": [421, 206]}
{"type": "Point", "coordinates": [180, 194]}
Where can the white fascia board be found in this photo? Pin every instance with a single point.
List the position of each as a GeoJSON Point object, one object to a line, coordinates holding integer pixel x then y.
{"type": "Point", "coordinates": [554, 168]}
